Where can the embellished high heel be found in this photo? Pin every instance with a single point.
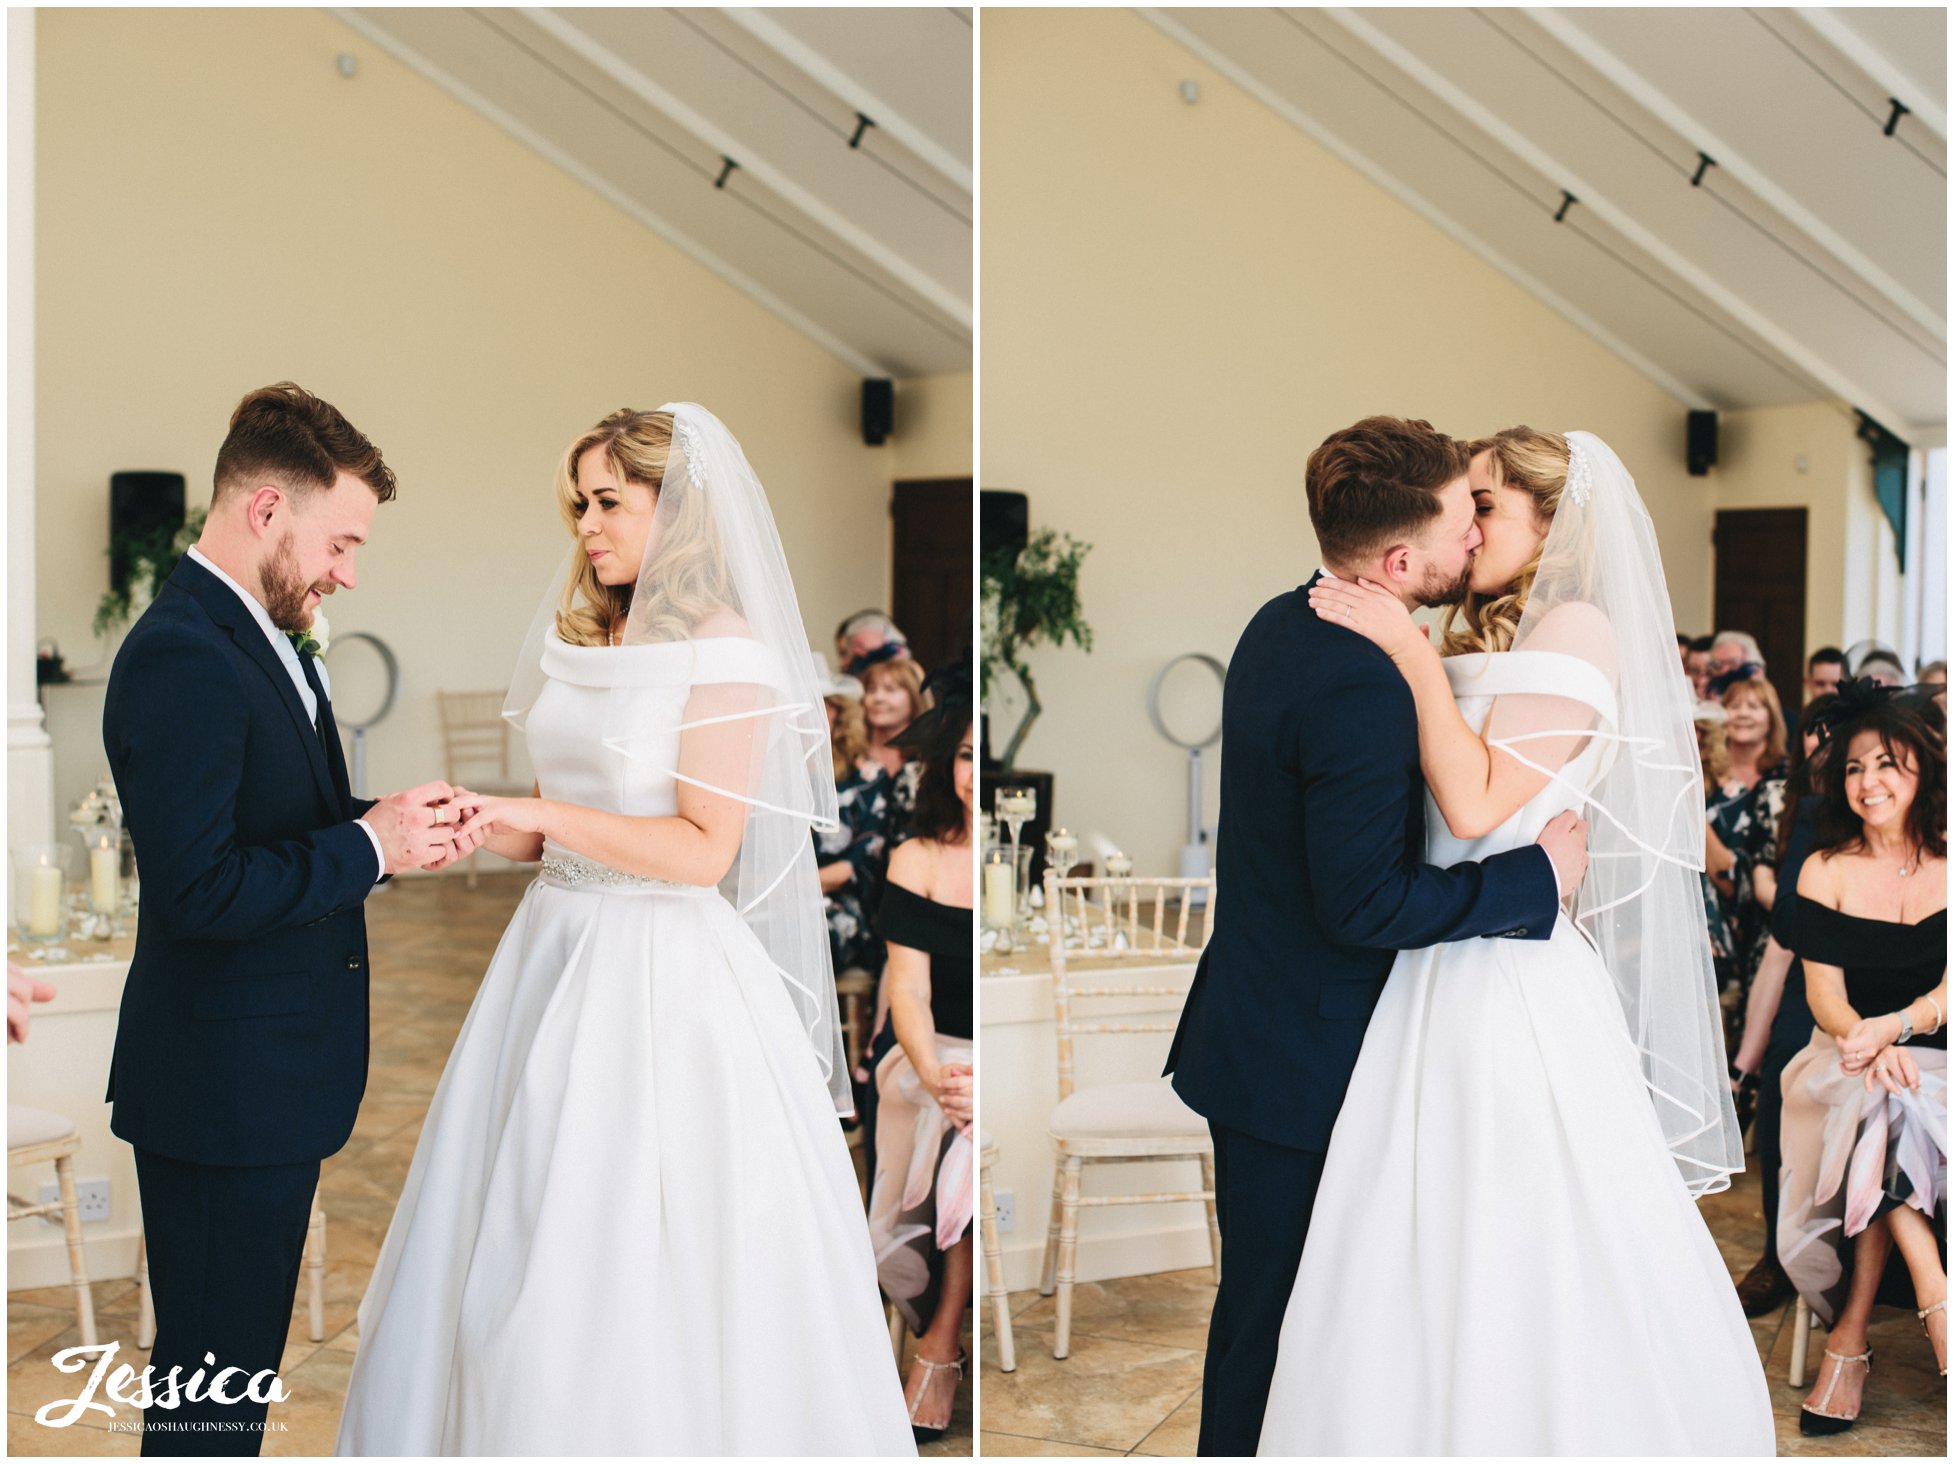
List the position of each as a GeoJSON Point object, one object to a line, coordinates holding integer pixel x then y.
{"type": "Point", "coordinates": [925, 1434]}
{"type": "Point", "coordinates": [1817, 1420]}
{"type": "Point", "coordinates": [1924, 1313]}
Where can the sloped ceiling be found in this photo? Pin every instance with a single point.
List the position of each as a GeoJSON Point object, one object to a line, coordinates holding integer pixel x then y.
{"type": "Point", "coordinates": [1807, 258]}
{"type": "Point", "coordinates": [820, 160]}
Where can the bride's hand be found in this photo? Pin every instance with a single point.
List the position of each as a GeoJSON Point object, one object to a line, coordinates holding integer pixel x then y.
{"type": "Point", "coordinates": [492, 815]}
{"type": "Point", "coordinates": [1373, 612]}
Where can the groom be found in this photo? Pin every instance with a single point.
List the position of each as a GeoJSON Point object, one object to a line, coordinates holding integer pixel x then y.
{"type": "Point", "coordinates": [1319, 849]}
{"type": "Point", "coordinates": [240, 1054]}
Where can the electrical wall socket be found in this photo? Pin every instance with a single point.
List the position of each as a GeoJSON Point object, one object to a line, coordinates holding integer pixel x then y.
{"type": "Point", "coordinates": [93, 1194]}
{"type": "Point", "coordinates": [1007, 1210]}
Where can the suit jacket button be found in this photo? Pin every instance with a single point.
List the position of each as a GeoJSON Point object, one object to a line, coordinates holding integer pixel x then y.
{"type": "Point", "coordinates": [352, 963]}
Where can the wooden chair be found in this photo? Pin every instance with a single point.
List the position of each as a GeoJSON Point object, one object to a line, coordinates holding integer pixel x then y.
{"type": "Point", "coordinates": [1803, 1324]}
{"type": "Point", "coordinates": [475, 742]}
{"type": "Point", "coordinates": [1116, 1123]}
{"type": "Point", "coordinates": [36, 1136]}
{"type": "Point", "coordinates": [1000, 1300]}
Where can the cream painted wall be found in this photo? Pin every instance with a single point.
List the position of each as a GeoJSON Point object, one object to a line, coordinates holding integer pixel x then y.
{"type": "Point", "coordinates": [1853, 586]}
{"type": "Point", "coordinates": [218, 208]}
{"type": "Point", "coordinates": [933, 436]}
{"type": "Point", "coordinates": [1180, 302]}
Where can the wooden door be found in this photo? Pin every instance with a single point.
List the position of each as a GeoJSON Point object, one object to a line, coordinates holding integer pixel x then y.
{"type": "Point", "coordinates": [1760, 587]}
{"type": "Point", "coordinates": [931, 578]}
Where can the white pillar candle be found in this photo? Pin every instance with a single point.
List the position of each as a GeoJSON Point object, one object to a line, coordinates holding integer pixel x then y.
{"type": "Point", "coordinates": [104, 874]}
{"type": "Point", "coordinates": [44, 905]}
{"type": "Point", "coordinates": [1000, 894]}
{"type": "Point", "coordinates": [1118, 865]}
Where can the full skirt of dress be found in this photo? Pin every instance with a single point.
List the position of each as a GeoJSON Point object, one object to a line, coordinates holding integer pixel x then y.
{"type": "Point", "coordinates": [1503, 1257]}
{"type": "Point", "coordinates": [631, 1225]}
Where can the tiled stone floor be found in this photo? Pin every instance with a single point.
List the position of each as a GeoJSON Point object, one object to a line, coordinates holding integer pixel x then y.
{"type": "Point", "coordinates": [431, 940]}
{"type": "Point", "coordinates": [1133, 1382]}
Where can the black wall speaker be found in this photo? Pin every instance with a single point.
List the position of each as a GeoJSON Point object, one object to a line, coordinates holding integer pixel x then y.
{"type": "Point", "coordinates": [140, 503]}
{"type": "Point", "coordinates": [1702, 443]}
{"type": "Point", "coordinates": [1003, 521]}
{"type": "Point", "coordinates": [878, 410]}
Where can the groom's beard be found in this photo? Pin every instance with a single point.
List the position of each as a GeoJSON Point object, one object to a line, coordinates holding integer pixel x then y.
{"type": "Point", "coordinates": [284, 589]}
{"type": "Point", "coordinates": [1438, 591]}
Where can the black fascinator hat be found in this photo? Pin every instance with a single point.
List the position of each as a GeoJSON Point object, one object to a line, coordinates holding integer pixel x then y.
{"type": "Point", "coordinates": [934, 731]}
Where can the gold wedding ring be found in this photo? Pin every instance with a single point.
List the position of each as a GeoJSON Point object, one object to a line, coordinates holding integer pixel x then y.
{"type": "Point", "coordinates": [440, 817]}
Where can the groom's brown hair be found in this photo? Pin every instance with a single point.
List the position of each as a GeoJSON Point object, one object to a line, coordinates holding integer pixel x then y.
{"type": "Point", "coordinates": [1375, 484]}
{"type": "Point", "coordinates": [286, 435]}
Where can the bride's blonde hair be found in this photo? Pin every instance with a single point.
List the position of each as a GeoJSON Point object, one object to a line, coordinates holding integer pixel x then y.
{"type": "Point", "coordinates": [692, 582]}
{"type": "Point", "coordinates": [1535, 463]}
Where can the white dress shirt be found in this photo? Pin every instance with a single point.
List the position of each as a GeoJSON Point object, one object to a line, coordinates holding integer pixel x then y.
{"type": "Point", "coordinates": [287, 653]}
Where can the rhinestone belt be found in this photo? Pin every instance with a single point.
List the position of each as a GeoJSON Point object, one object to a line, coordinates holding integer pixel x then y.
{"type": "Point", "coordinates": [573, 871]}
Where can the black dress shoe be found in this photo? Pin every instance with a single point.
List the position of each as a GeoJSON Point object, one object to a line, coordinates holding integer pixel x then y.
{"type": "Point", "coordinates": [1764, 1289]}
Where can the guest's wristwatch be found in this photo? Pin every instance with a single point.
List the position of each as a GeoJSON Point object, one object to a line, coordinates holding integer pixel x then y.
{"type": "Point", "coordinates": [1906, 1026]}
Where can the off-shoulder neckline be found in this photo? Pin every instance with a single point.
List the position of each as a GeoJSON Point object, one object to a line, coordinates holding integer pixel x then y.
{"type": "Point", "coordinates": [1939, 914]}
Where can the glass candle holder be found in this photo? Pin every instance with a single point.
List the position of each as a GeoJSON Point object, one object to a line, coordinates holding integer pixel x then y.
{"type": "Point", "coordinates": [40, 888]}
{"type": "Point", "coordinates": [1118, 865]}
{"type": "Point", "coordinates": [1061, 850]}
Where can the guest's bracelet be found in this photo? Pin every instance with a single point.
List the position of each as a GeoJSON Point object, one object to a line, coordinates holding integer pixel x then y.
{"type": "Point", "coordinates": [1940, 1019]}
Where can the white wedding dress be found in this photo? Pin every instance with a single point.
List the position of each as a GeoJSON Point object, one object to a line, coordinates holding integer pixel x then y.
{"type": "Point", "coordinates": [1503, 1257]}
{"type": "Point", "coordinates": [631, 1225]}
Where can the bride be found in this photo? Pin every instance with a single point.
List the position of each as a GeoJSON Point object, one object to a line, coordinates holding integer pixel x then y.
{"type": "Point", "coordinates": [631, 1225]}
{"type": "Point", "coordinates": [1505, 1256]}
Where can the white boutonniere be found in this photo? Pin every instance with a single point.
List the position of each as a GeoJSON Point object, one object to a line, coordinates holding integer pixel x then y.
{"type": "Point", "coordinates": [313, 641]}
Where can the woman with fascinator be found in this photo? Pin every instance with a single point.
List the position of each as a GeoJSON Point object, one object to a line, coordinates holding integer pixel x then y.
{"type": "Point", "coordinates": [920, 1203]}
{"type": "Point", "coordinates": [1864, 1169]}
{"type": "Point", "coordinates": [631, 1225]}
{"type": "Point", "coordinates": [1506, 1256]}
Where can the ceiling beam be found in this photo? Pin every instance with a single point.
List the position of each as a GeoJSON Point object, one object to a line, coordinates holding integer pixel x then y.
{"type": "Point", "coordinates": [1931, 110]}
{"type": "Point", "coordinates": [1729, 160]}
{"type": "Point", "coordinates": [797, 53]}
{"type": "Point", "coordinates": [850, 357]}
{"type": "Point", "coordinates": [1596, 201]}
{"type": "Point", "coordinates": [1317, 132]}
{"type": "Point", "coordinates": [914, 277]}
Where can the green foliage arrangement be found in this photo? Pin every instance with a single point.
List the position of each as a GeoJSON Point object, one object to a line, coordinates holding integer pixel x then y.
{"type": "Point", "coordinates": [1030, 598]}
{"type": "Point", "coordinates": [152, 557]}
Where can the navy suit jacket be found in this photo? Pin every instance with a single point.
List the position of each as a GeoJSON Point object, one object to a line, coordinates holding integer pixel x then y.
{"type": "Point", "coordinates": [1320, 878]}
{"type": "Point", "coordinates": [243, 1033]}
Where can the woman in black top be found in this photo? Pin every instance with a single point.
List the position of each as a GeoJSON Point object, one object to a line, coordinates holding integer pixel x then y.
{"type": "Point", "coordinates": [1863, 1169]}
{"type": "Point", "coordinates": [926, 919]}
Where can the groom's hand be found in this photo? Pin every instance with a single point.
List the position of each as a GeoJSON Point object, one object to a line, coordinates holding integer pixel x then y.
{"type": "Point", "coordinates": [415, 828]}
{"type": "Point", "coordinates": [1566, 841]}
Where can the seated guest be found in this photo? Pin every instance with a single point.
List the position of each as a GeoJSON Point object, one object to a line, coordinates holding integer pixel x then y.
{"type": "Point", "coordinates": [1823, 672]}
{"type": "Point", "coordinates": [866, 637]}
{"type": "Point", "coordinates": [1745, 815]}
{"type": "Point", "coordinates": [920, 1206]}
{"type": "Point", "coordinates": [850, 857]}
{"type": "Point", "coordinates": [1730, 649]}
{"type": "Point", "coordinates": [1777, 1022]}
{"type": "Point", "coordinates": [892, 698]}
{"type": "Point", "coordinates": [1865, 1104]}
{"type": "Point", "coordinates": [1697, 664]}
{"type": "Point", "coordinates": [1876, 661]}
{"type": "Point", "coordinates": [1717, 860]}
